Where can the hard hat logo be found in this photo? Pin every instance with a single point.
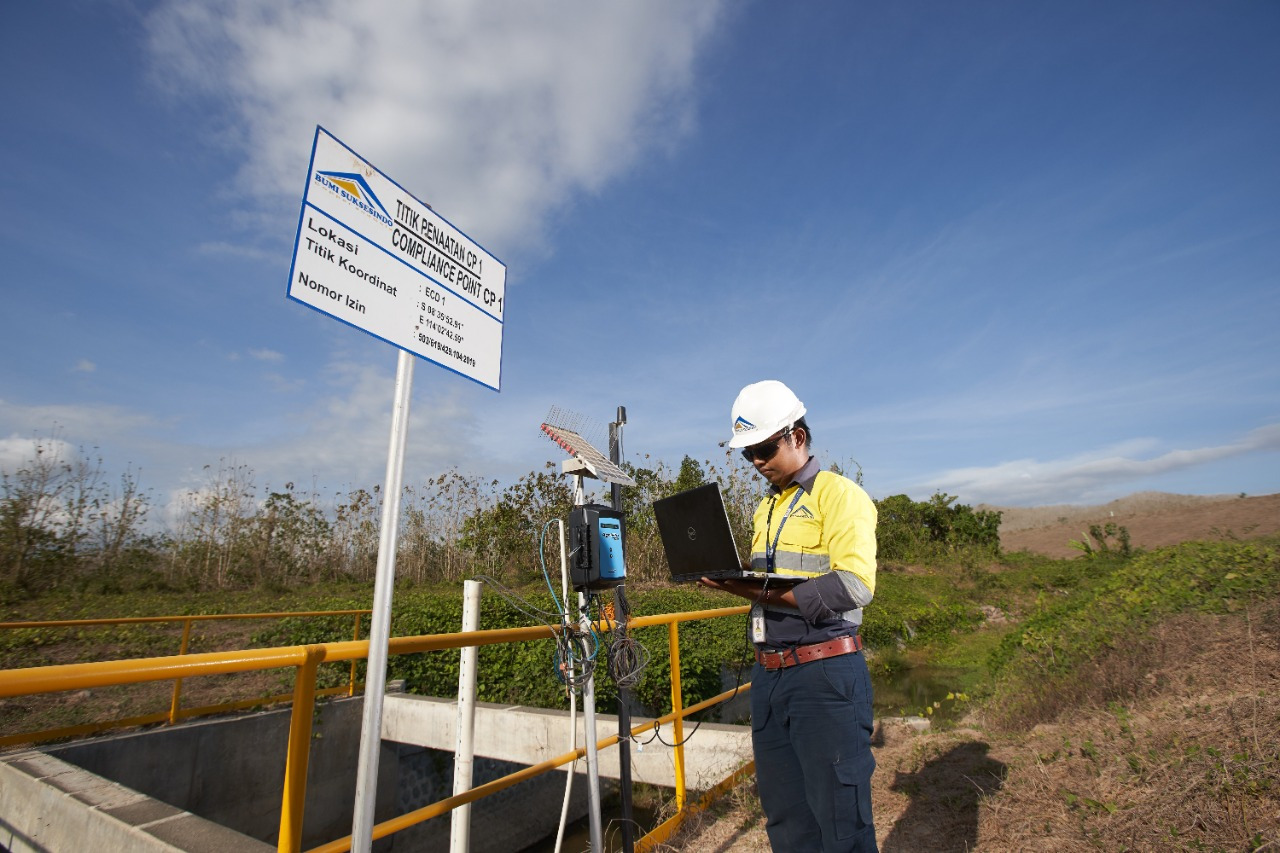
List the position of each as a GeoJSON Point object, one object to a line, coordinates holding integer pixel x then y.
{"type": "Point", "coordinates": [762, 409]}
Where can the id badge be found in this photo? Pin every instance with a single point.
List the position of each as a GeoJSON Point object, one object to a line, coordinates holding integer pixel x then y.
{"type": "Point", "coordinates": [757, 623]}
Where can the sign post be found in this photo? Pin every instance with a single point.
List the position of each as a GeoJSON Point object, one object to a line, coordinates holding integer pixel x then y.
{"type": "Point", "coordinates": [373, 256]}
{"type": "Point", "coordinates": [375, 682]}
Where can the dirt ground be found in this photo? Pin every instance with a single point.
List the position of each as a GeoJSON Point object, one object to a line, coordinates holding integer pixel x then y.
{"type": "Point", "coordinates": [1152, 518]}
{"type": "Point", "coordinates": [1191, 763]}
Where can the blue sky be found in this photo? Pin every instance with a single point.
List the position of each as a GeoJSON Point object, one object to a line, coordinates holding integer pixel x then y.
{"type": "Point", "coordinates": [1024, 253]}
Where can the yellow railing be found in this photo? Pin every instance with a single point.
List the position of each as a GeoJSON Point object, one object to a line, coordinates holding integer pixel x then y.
{"type": "Point", "coordinates": [175, 712]}
{"type": "Point", "coordinates": [307, 659]}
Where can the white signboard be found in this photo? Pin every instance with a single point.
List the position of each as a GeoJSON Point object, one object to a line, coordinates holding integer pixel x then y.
{"type": "Point", "coordinates": [371, 255]}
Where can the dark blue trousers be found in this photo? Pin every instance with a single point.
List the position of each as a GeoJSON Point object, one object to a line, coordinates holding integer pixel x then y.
{"type": "Point", "coordinates": [811, 732]}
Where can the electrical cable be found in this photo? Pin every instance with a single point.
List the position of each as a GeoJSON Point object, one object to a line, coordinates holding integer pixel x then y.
{"type": "Point", "coordinates": [542, 560]}
{"type": "Point", "coordinates": [627, 656]}
{"type": "Point", "coordinates": [577, 648]}
{"type": "Point", "coordinates": [515, 600]}
{"type": "Point", "coordinates": [657, 732]}
{"type": "Point", "coordinates": [575, 653]}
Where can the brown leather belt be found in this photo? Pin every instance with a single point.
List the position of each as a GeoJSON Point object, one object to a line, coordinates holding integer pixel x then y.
{"type": "Point", "coordinates": [803, 654]}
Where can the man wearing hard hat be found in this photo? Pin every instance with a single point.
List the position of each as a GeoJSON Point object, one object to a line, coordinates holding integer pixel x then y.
{"type": "Point", "coordinates": [810, 691]}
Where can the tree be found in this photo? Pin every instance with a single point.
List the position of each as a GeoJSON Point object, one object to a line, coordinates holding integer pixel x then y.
{"type": "Point", "coordinates": [504, 536]}
{"type": "Point", "coordinates": [212, 539]}
{"type": "Point", "coordinates": [45, 506]}
{"type": "Point", "coordinates": [118, 521]}
{"type": "Point", "coordinates": [921, 530]}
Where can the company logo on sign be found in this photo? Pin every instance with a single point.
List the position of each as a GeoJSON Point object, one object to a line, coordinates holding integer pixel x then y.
{"type": "Point", "coordinates": [354, 189]}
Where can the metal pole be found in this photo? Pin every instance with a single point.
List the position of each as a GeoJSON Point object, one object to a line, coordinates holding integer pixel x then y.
{"type": "Point", "coordinates": [624, 694]}
{"type": "Point", "coordinates": [380, 625]}
{"type": "Point", "coordinates": [589, 718]}
{"type": "Point", "coordinates": [589, 706]}
{"type": "Point", "coordinates": [460, 827]}
{"type": "Point", "coordinates": [573, 697]}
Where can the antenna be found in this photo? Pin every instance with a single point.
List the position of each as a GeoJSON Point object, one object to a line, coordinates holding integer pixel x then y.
{"type": "Point", "coordinates": [564, 429]}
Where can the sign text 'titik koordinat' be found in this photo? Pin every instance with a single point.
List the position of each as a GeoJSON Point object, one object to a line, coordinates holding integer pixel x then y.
{"type": "Point", "coordinates": [371, 255]}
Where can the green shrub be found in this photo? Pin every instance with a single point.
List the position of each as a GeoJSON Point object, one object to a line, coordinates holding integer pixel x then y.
{"type": "Point", "coordinates": [915, 609]}
{"type": "Point", "coordinates": [1049, 648]}
{"type": "Point", "coordinates": [921, 531]}
{"type": "Point", "coordinates": [526, 672]}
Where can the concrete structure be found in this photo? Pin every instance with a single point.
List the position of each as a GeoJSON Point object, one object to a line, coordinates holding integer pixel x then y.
{"type": "Point", "coordinates": [227, 770]}
{"type": "Point", "coordinates": [216, 784]}
{"type": "Point", "coordinates": [531, 735]}
{"type": "Point", "coordinates": [48, 805]}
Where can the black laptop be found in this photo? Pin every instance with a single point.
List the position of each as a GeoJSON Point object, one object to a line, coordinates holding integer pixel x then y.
{"type": "Point", "coordinates": [698, 540]}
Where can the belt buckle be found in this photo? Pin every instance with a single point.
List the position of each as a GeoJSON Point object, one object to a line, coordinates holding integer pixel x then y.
{"type": "Point", "coordinates": [772, 660]}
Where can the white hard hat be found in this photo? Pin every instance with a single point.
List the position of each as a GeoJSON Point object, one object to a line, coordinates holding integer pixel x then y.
{"type": "Point", "coordinates": [762, 409]}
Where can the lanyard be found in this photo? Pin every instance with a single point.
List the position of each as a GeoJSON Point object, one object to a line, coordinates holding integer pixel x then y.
{"type": "Point", "coordinates": [770, 549]}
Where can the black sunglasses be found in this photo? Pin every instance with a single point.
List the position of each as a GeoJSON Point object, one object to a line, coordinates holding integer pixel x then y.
{"type": "Point", "coordinates": [765, 450]}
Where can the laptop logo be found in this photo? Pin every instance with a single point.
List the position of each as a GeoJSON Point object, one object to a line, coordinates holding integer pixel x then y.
{"type": "Point", "coordinates": [692, 533]}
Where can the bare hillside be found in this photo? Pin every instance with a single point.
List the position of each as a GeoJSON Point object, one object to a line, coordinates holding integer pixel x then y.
{"type": "Point", "coordinates": [1152, 518]}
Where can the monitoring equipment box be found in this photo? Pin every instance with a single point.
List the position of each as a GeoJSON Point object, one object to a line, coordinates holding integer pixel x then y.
{"type": "Point", "coordinates": [595, 547]}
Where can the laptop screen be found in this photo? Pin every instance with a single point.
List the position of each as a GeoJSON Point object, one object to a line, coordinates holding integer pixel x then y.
{"type": "Point", "coordinates": [695, 532]}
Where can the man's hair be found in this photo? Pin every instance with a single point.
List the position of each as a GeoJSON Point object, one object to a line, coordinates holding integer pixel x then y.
{"type": "Point", "coordinates": [808, 433]}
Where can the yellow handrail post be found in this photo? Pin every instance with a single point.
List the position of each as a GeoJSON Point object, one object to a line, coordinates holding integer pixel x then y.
{"type": "Point", "coordinates": [295, 771]}
{"type": "Point", "coordinates": [355, 636]}
{"type": "Point", "coordinates": [677, 707]}
{"type": "Point", "coordinates": [177, 682]}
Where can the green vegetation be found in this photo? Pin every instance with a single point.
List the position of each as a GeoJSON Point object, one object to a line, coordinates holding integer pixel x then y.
{"type": "Point", "coordinates": [1084, 643]}
{"type": "Point", "coordinates": [1026, 632]}
{"type": "Point", "coordinates": [1008, 625]}
{"type": "Point", "coordinates": [1101, 535]}
{"type": "Point", "coordinates": [714, 653]}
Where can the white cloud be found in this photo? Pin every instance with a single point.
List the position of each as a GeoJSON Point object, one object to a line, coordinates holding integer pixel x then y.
{"type": "Point", "coordinates": [71, 423]}
{"type": "Point", "coordinates": [342, 436]}
{"type": "Point", "coordinates": [266, 355]}
{"type": "Point", "coordinates": [494, 112]}
{"type": "Point", "coordinates": [85, 366]}
{"type": "Point", "coordinates": [19, 451]}
{"type": "Point", "coordinates": [282, 384]}
{"type": "Point", "coordinates": [1087, 476]}
{"type": "Point", "coordinates": [237, 250]}
{"type": "Point", "coordinates": [340, 440]}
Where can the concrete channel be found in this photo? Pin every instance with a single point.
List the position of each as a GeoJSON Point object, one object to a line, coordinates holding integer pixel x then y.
{"type": "Point", "coordinates": [216, 784]}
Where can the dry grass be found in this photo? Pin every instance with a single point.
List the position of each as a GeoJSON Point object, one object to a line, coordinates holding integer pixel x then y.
{"type": "Point", "coordinates": [1191, 763]}
{"type": "Point", "coordinates": [48, 711]}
